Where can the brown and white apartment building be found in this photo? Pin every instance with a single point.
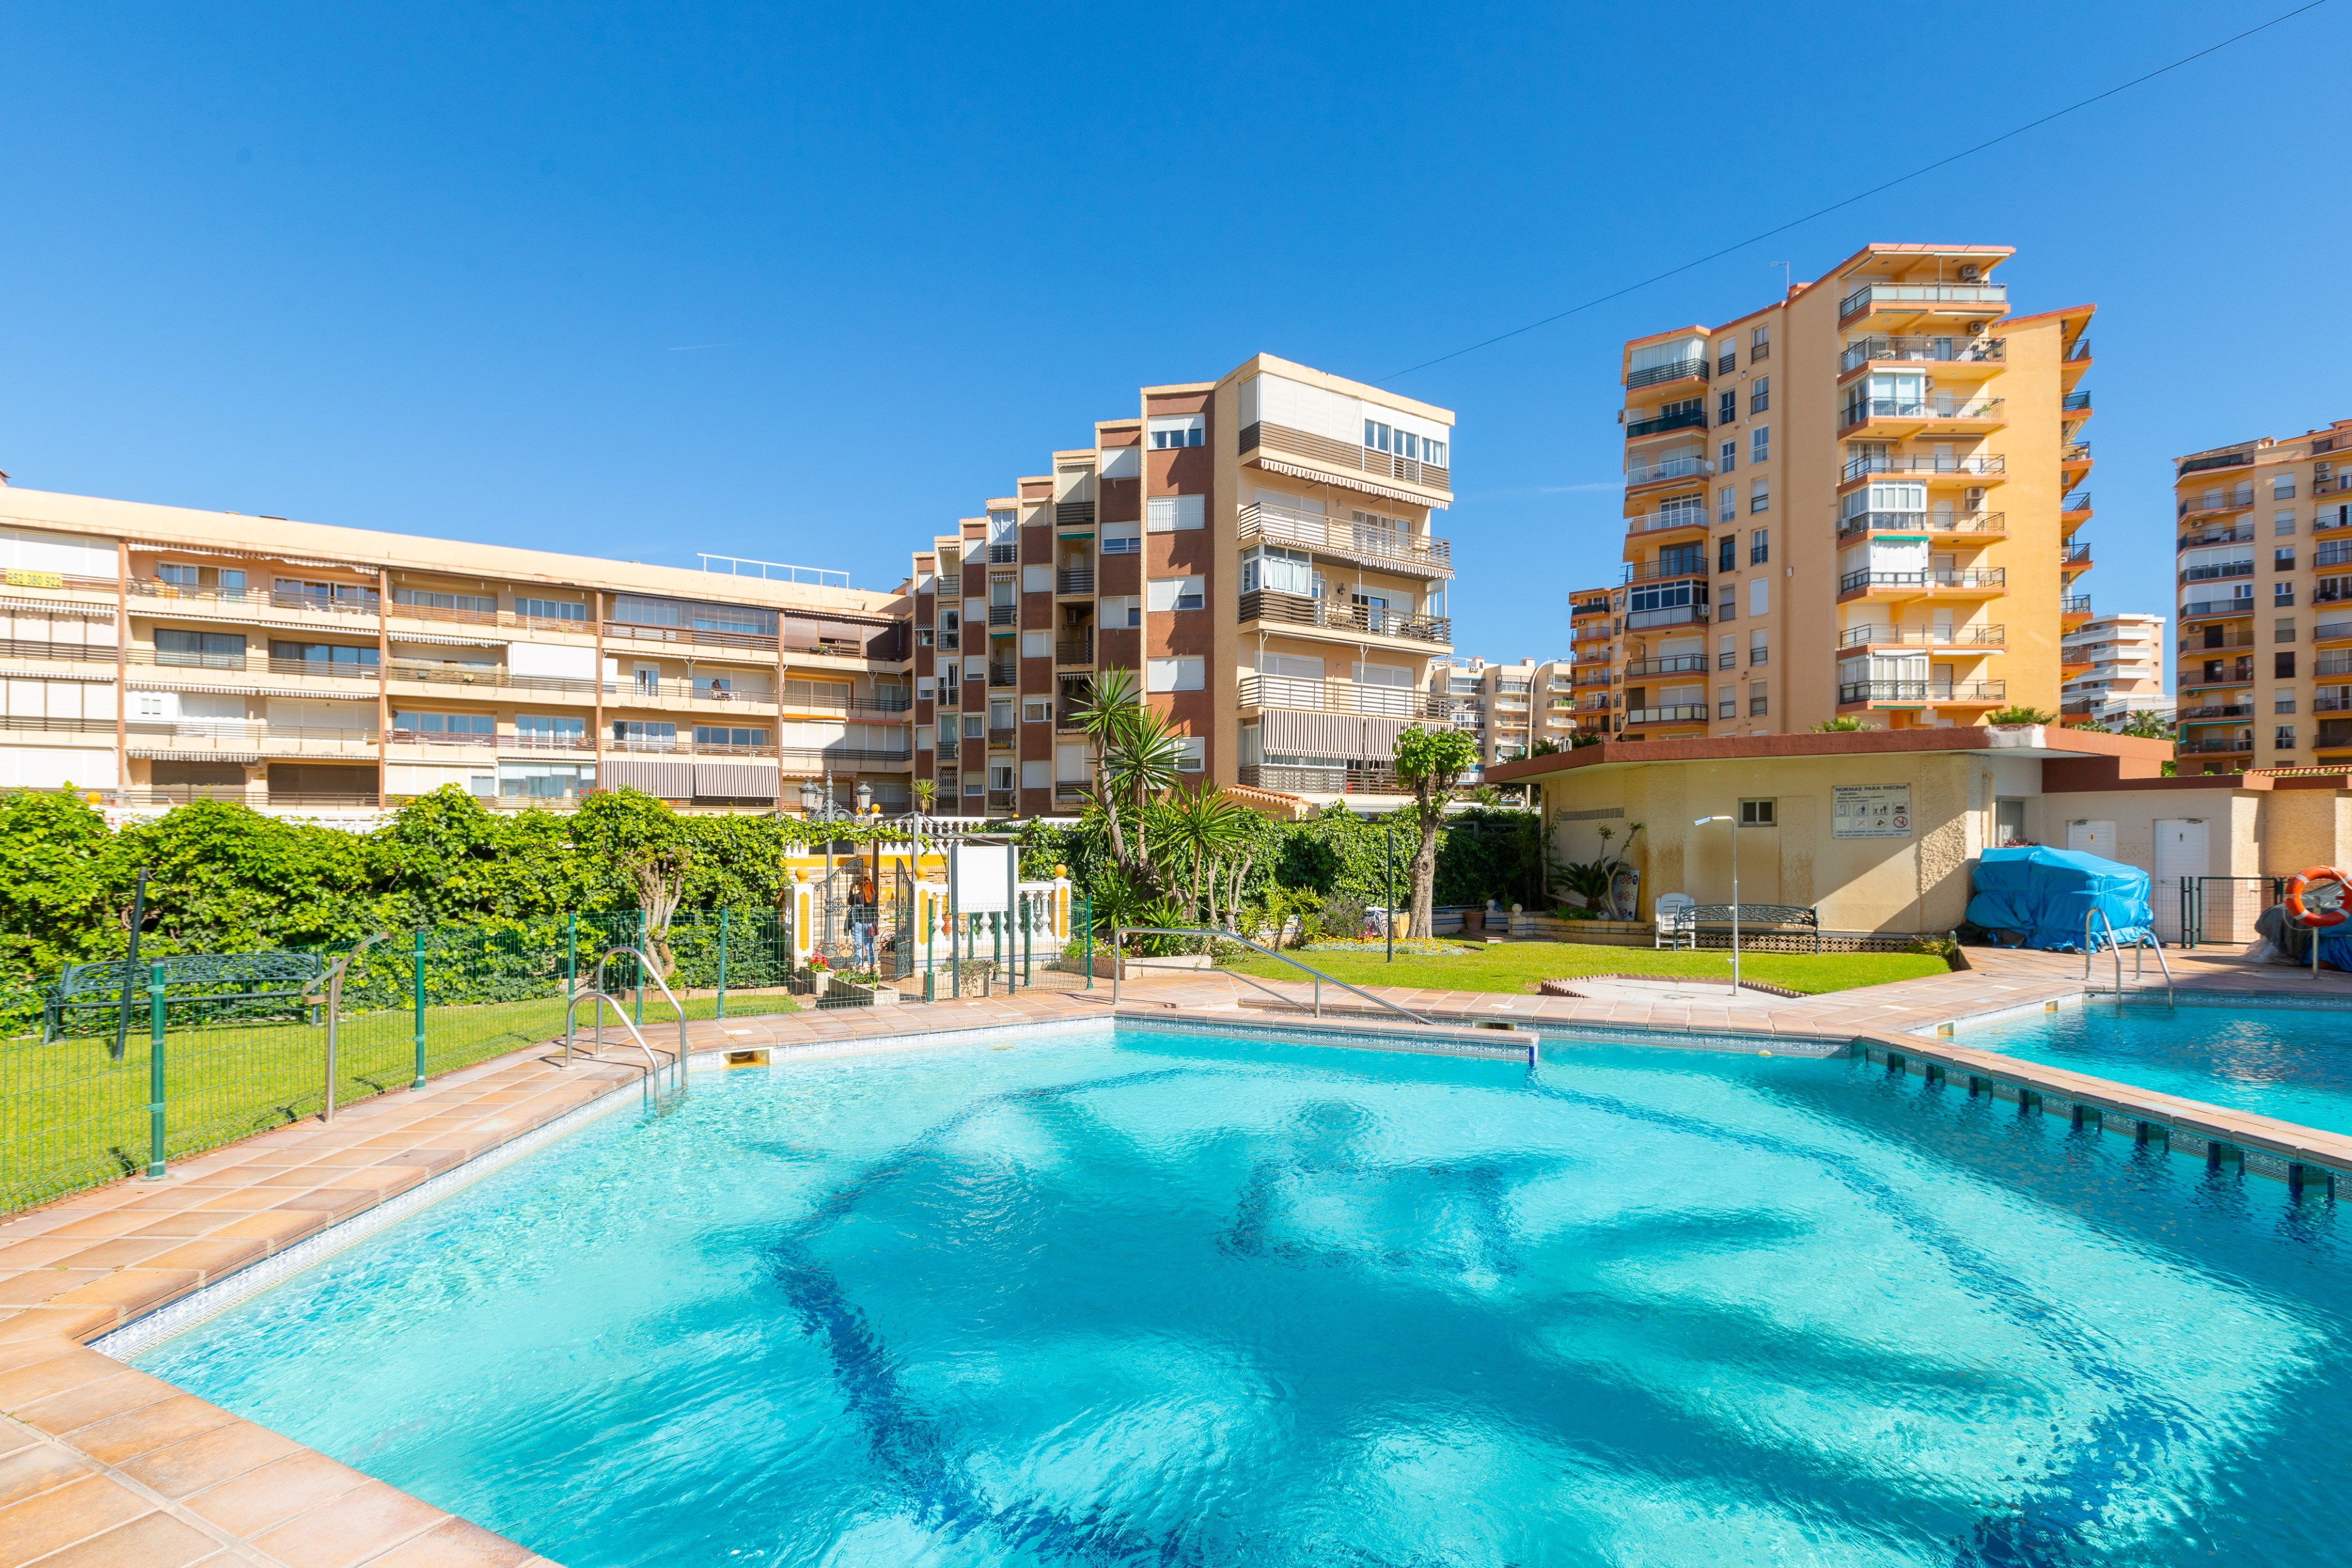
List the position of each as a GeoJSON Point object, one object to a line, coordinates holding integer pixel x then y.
{"type": "Point", "coordinates": [1860, 499]}
{"type": "Point", "coordinates": [155, 653]}
{"type": "Point", "coordinates": [1258, 548]}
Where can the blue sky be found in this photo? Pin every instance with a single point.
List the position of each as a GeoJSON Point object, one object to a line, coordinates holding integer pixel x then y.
{"type": "Point", "coordinates": [806, 283]}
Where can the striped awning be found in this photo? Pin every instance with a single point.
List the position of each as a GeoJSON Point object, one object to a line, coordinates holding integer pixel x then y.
{"type": "Point", "coordinates": [1292, 733]}
{"type": "Point", "coordinates": [1353, 481]}
{"type": "Point", "coordinates": [668, 779]}
{"type": "Point", "coordinates": [733, 781]}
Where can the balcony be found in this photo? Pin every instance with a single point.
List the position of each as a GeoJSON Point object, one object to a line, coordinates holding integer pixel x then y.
{"type": "Point", "coordinates": [1597, 677]}
{"type": "Point", "coordinates": [1003, 614]}
{"type": "Point", "coordinates": [1924, 636]}
{"type": "Point", "coordinates": [248, 740]}
{"type": "Point", "coordinates": [1680, 713]}
{"type": "Point", "coordinates": [1941, 351]}
{"type": "Point", "coordinates": [2218, 712]}
{"type": "Point", "coordinates": [1582, 607]}
{"type": "Point", "coordinates": [1075, 650]}
{"type": "Point", "coordinates": [2331, 631]}
{"type": "Point", "coordinates": [1003, 554]}
{"type": "Point", "coordinates": [2221, 744]}
{"type": "Point", "coordinates": [1399, 549]}
{"type": "Point", "coordinates": [310, 605]}
{"type": "Point", "coordinates": [1074, 513]}
{"type": "Point", "coordinates": [1687, 419]}
{"type": "Point", "coordinates": [1673, 517]}
{"type": "Point", "coordinates": [1068, 792]}
{"type": "Point", "coordinates": [1003, 740]}
{"type": "Point", "coordinates": [1343, 458]}
{"type": "Point", "coordinates": [1005, 675]}
{"type": "Point", "coordinates": [1001, 800]}
{"type": "Point", "coordinates": [2074, 403]}
{"type": "Point", "coordinates": [1265, 604]}
{"type": "Point", "coordinates": [2075, 455]}
{"type": "Point", "coordinates": [1681, 664]}
{"type": "Point", "coordinates": [2217, 460]}
{"type": "Point", "coordinates": [1074, 580]}
{"type": "Point", "coordinates": [2201, 609]}
{"type": "Point", "coordinates": [948, 749]}
{"type": "Point", "coordinates": [1987, 580]}
{"type": "Point", "coordinates": [1985, 526]}
{"type": "Point", "coordinates": [1670, 468]}
{"type": "Point", "coordinates": [1975, 693]}
{"type": "Point", "coordinates": [2078, 554]}
{"type": "Point", "coordinates": [2217, 570]}
{"type": "Point", "coordinates": [1909, 297]}
{"type": "Point", "coordinates": [1925, 463]}
{"type": "Point", "coordinates": [2213, 506]}
{"type": "Point", "coordinates": [2074, 605]}
{"type": "Point", "coordinates": [1874, 582]}
{"type": "Point", "coordinates": [1664, 570]}
{"type": "Point", "coordinates": [1658, 375]}
{"type": "Point", "coordinates": [1342, 696]}
{"type": "Point", "coordinates": [2077, 505]}
{"type": "Point", "coordinates": [1982, 413]}
{"type": "Point", "coordinates": [1292, 778]}
{"type": "Point", "coordinates": [2241, 535]}
{"type": "Point", "coordinates": [1674, 616]}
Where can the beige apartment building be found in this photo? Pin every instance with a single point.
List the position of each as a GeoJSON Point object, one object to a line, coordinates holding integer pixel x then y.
{"type": "Point", "coordinates": [1258, 549]}
{"type": "Point", "coordinates": [1508, 709]}
{"type": "Point", "coordinates": [1592, 623]}
{"type": "Point", "coordinates": [1861, 500]}
{"type": "Point", "coordinates": [2265, 570]}
{"type": "Point", "coordinates": [159, 654]}
{"type": "Point", "coordinates": [2115, 669]}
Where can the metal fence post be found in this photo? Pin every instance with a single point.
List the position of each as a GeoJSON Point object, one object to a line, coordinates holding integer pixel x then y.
{"type": "Point", "coordinates": [640, 965]}
{"type": "Point", "coordinates": [155, 1014]}
{"type": "Point", "coordinates": [1026, 942]}
{"type": "Point", "coordinates": [720, 1010]}
{"type": "Point", "coordinates": [416, 985]}
{"type": "Point", "coordinates": [571, 958]}
{"type": "Point", "coordinates": [1091, 942]}
{"type": "Point", "coordinates": [955, 928]}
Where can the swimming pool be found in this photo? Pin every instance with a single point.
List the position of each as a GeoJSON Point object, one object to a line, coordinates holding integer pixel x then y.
{"type": "Point", "coordinates": [1174, 1299]}
{"type": "Point", "coordinates": [2293, 1063]}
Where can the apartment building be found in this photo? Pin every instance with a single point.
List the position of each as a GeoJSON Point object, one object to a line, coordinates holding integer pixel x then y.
{"type": "Point", "coordinates": [2115, 668]}
{"type": "Point", "coordinates": [1510, 709]}
{"type": "Point", "coordinates": [1592, 639]}
{"type": "Point", "coordinates": [2265, 641]}
{"type": "Point", "coordinates": [1861, 500]}
{"type": "Point", "coordinates": [159, 654]}
{"type": "Point", "coordinates": [1258, 549]}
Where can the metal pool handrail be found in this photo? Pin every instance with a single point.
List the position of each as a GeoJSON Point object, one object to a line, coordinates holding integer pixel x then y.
{"type": "Point", "coordinates": [1118, 935]}
{"type": "Point", "coordinates": [2139, 959]}
{"type": "Point", "coordinates": [572, 1013]}
{"type": "Point", "coordinates": [645, 966]}
{"type": "Point", "coordinates": [333, 981]}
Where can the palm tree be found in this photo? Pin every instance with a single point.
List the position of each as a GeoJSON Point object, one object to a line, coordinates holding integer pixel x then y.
{"type": "Point", "coordinates": [2017, 713]}
{"type": "Point", "coordinates": [1136, 758]}
{"type": "Point", "coordinates": [1205, 827]}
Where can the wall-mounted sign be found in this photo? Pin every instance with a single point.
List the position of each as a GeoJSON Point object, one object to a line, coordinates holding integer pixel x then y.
{"type": "Point", "coordinates": [1870, 811]}
{"type": "Point", "coordinates": [17, 579]}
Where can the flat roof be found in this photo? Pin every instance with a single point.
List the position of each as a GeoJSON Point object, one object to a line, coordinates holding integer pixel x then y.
{"type": "Point", "coordinates": [2036, 740]}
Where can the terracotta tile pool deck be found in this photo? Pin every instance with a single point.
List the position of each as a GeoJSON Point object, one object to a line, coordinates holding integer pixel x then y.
{"type": "Point", "coordinates": [102, 1465]}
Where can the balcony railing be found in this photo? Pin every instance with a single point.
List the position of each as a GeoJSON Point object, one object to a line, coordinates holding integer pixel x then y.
{"type": "Point", "coordinates": [1322, 781]}
{"type": "Point", "coordinates": [249, 738]}
{"type": "Point", "coordinates": [1854, 581]}
{"type": "Point", "coordinates": [1959, 409]}
{"type": "Point", "coordinates": [2329, 631]}
{"type": "Point", "coordinates": [1005, 675]}
{"type": "Point", "coordinates": [1075, 650]}
{"type": "Point", "coordinates": [357, 604]}
{"type": "Point", "coordinates": [2217, 711]}
{"type": "Point", "coordinates": [1596, 678]}
{"type": "Point", "coordinates": [1923, 637]}
{"type": "Point", "coordinates": [2074, 605]}
{"type": "Point", "coordinates": [1670, 468]}
{"type": "Point", "coordinates": [1342, 696]}
{"type": "Point", "coordinates": [2224, 743]}
{"type": "Point", "coordinates": [1599, 607]}
{"type": "Point", "coordinates": [2217, 570]}
{"type": "Point", "coordinates": [1675, 371]}
{"type": "Point", "coordinates": [1677, 517]}
{"type": "Point", "coordinates": [1664, 570]}
{"type": "Point", "coordinates": [2078, 502]}
{"type": "Point", "coordinates": [2074, 402]}
{"type": "Point", "coordinates": [1947, 350]}
{"type": "Point", "coordinates": [1298, 610]}
{"type": "Point", "coordinates": [1969, 691]}
{"type": "Point", "coordinates": [1681, 664]}
{"type": "Point", "coordinates": [2241, 535]}
{"type": "Point", "coordinates": [1984, 522]}
{"type": "Point", "coordinates": [2074, 452]}
{"type": "Point", "coordinates": [1003, 614]}
{"type": "Point", "coordinates": [1679, 713]}
{"type": "Point", "coordinates": [2074, 554]}
{"type": "Point", "coordinates": [1986, 577]}
{"type": "Point", "coordinates": [2196, 609]}
{"type": "Point", "coordinates": [1312, 531]}
{"type": "Point", "coordinates": [1879, 296]}
{"type": "Point", "coordinates": [1684, 419]}
{"type": "Point", "coordinates": [1883, 691]}
{"type": "Point", "coordinates": [1003, 554]}
{"type": "Point", "coordinates": [1344, 455]}
{"type": "Point", "coordinates": [2217, 460]}
{"type": "Point", "coordinates": [2208, 506]}
{"type": "Point", "coordinates": [1923, 463]}
{"type": "Point", "coordinates": [1674, 616]}
{"type": "Point", "coordinates": [1074, 580]}
{"type": "Point", "coordinates": [1003, 740]}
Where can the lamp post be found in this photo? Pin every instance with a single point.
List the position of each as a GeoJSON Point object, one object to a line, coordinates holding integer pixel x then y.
{"type": "Point", "coordinates": [1702, 822]}
{"type": "Point", "coordinates": [817, 804]}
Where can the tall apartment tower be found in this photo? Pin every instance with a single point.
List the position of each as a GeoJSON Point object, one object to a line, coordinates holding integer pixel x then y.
{"type": "Point", "coordinates": [1593, 625]}
{"type": "Point", "coordinates": [1860, 499]}
{"type": "Point", "coordinates": [1257, 549]}
{"type": "Point", "coordinates": [2115, 669]}
{"type": "Point", "coordinates": [157, 654]}
{"type": "Point", "coordinates": [2266, 613]}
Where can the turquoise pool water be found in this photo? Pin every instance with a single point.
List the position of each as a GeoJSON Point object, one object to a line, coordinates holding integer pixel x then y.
{"type": "Point", "coordinates": [2292, 1063]}
{"type": "Point", "coordinates": [1167, 1300]}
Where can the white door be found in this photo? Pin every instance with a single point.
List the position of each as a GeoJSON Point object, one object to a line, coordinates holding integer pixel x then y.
{"type": "Point", "coordinates": [2092, 837]}
{"type": "Point", "coordinates": [2180, 846]}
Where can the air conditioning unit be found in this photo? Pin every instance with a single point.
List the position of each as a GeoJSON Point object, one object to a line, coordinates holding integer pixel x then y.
{"type": "Point", "coordinates": [1969, 273]}
{"type": "Point", "coordinates": [1975, 495]}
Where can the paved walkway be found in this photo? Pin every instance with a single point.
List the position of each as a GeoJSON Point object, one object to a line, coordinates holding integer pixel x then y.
{"type": "Point", "coordinates": [100, 1464]}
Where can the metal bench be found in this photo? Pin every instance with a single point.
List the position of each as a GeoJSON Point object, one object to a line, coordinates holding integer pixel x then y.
{"type": "Point", "coordinates": [202, 985]}
{"type": "Point", "coordinates": [1678, 922]}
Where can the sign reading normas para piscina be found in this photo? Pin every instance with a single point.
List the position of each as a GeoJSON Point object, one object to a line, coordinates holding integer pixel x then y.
{"type": "Point", "coordinates": [1870, 811]}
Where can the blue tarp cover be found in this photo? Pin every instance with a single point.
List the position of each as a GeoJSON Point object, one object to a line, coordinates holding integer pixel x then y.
{"type": "Point", "coordinates": [2046, 894]}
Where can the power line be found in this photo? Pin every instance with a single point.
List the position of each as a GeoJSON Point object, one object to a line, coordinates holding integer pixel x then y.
{"type": "Point", "coordinates": [1862, 195]}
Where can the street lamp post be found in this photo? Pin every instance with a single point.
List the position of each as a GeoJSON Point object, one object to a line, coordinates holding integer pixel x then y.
{"type": "Point", "coordinates": [817, 804]}
{"type": "Point", "coordinates": [1702, 822]}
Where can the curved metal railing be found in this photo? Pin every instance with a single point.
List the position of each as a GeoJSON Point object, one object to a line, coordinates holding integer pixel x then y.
{"type": "Point", "coordinates": [646, 967]}
{"type": "Point", "coordinates": [1118, 935]}
{"type": "Point", "coordinates": [333, 981]}
{"type": "Point", "coordinates": [2139, 960]}
{"type": "Point", "coordinates": [572, 1015]}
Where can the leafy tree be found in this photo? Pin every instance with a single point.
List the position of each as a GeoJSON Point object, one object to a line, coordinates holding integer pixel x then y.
{"type": "Point", "coordinates": [1427, 764]}
{"type": "Point", "coordinates": [644, 844]}
{"type": "Point", "coordinates": [1546, 747]}
{"type": "Point", "coordinates": [1579, 739]}
{"type": "Point", "coordinates": [2150, 724]}
{"type": "Point", "coordinates": [53, 890]}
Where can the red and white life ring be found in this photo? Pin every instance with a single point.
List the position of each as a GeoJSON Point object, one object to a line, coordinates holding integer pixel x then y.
{"type": "Point", "coordinates": [2310, 912]}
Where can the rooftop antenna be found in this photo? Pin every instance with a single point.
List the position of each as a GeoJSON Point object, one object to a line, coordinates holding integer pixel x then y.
{"type": "Point", "coordinates": [1785, 284]}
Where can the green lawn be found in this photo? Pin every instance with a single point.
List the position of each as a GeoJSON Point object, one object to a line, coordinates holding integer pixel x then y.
{"type": "Point", "coordinates": [1520, 965]}
{"type": "Point", "coordinates": [70, 1117]}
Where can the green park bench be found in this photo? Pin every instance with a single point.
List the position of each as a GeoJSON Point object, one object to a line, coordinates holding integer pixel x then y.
{"type": "Point", "coordinates": [201, 986]}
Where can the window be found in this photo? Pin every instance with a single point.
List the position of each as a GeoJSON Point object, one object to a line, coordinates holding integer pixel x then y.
{"type": "Point", "coordinates": [1172, 674]}
{"type": "Point", "coordinates": [925, 637]}
{"type": "Point", "coordinates": [1760, 444]}
{"type": "Point", "coordinates": [1168, 514]}
{"type": "Point", "coordinates": [1000, 776]}
{"type": "Point", "coordinates": [1726, 357]}
{"type": "Point", "coordinates": [974, 784]}
{"type": "Point", "coordinates": [975, 726]}
{"type": "Point", "coordinates": [1726, 409]}
{"type": "Point", "coordinates": [1760, 345]}
{"type": "Point", "coordinates": [2282, 703]}
{"type": "Point", "coordinates": [479, 603]}
{"type": "Point", "coordinates": [2283, 737]}
{"type": "Point", "coordinates": [178, 576]}
{"type": "Point", "coordinates": [1758, 702]}
{"type": "Point", "coordinates": [1759, 595]}
{"type": "Point", "coordinates": [547, 728]}
{"type": "Point", "coordinates": [1121, 611]}
{"type": "Point", "coordinates": [641, 611]}
{"type": "Point", "coordinates": [1760, 546]}
{"type": "Point", "coordinates": [660, 732]}
{"type": "Point", "coordinates": [1756, 814]}
{"type": "Point", "coordinates": [2283, 666]}
{"type": "Point", "coordinates": [2282, 594]}
{"type": "Point", "coordinates": [1038, 774]}
{"type": "Point", "coordinates": [1173, 594]}
{"type": "Point", "coordinates": [2282, 558]}
{"type": "Point", "coordinates": [2283, 629]}
{"type": "Point", "coordinates": [1760, 649]}
{"type": "Point", "coordinates": [1037, 578]}
{"type": "Point", "coordinates": [2282, 487]}
{"type": "Point", "coordinates": [1270, 566]}
{"type": "Point", "coordinates": [1728, 505]}
{"type": "Point", "coordinates": [1000, 713]}
{"type": "Point", "coordinates": [1380, 437]}
{"type": "Point", "coordinates": [1036, 710]}
{"type": "Point", "coordinates": [2283, 523]}
{"type": "Point", "coordinates": [446, 724]}
{"type": "Point", "coordinates": [1759, 397]}
{"type": "Point", "coordinates": [200, 650]}
{"type": "Point", "coordinates": [1178, 430]}
{"type": "Point", "coordinates": [1192, 754]}
{"type": "Point", "coordinates": [321, 658]}
{"type": "Point", "coordinates": [1759, 496]}
{"type": "Point", "coordinates": [922, 689]}
{"type": "Point", "coordinates": [1037, 645]}
{"type": "Point", "coordinates": [1726, 705]}
{"type": "Point", "coordinates": [1728, 457]}
{"type": "Point", "coordinates": [1122, 538]}
{"type": "Point", "coordinates": [729, 735]}
{"type": "Point", "coordinates": [1727, 550]}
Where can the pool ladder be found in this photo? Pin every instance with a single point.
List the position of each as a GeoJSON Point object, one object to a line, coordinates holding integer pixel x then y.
{"type": "Point", "coordinates": [600, 996]}
{"type": "Point", "coordinates": [2139, 959]}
